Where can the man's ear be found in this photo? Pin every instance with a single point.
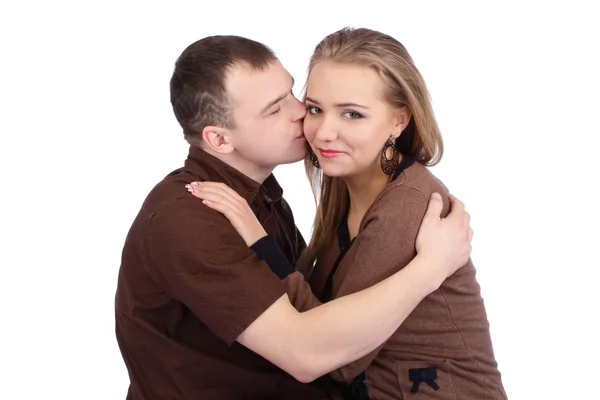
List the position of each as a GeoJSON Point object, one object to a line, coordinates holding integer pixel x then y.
{"type": "Point", "coordinates": [403, 116]}
{"type": "Point", "coordinates": [217, 139]}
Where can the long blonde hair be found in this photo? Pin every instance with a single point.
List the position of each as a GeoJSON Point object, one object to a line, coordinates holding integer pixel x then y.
{"type": "Point", "coordinates": [421, 140]}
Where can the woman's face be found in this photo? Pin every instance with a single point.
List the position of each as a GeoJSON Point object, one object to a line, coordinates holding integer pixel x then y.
{"type": "Point", "coordinates": [348, 119]}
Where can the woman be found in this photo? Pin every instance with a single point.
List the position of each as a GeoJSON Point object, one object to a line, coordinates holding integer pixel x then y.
{"type": "Point", "coordinates": [372, 132]}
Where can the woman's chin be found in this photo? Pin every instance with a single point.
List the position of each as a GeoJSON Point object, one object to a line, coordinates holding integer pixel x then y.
{"type": "Point", "coordinates": [333, 171]}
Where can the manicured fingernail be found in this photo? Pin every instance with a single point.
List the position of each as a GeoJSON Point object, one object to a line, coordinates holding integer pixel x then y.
{"type": "Point", "coordinates": [190, 190]}
{"type": "Point", "coordinates": [207, 202]}
{"type": "Point", "coordinates": [437, 196]}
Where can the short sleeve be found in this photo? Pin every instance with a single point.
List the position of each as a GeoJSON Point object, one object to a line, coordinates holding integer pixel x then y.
{"type": "Point", "coordinates": [199, 259]}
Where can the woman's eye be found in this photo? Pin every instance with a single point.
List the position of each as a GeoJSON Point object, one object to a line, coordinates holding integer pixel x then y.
{"type": "Point", "coordinates": [353, 114]}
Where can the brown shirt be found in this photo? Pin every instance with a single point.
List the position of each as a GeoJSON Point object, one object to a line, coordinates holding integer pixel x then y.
{"type": "Point", "coordinates": [448, 331]}
{"type": "Point", "coordinates": [188, 286]}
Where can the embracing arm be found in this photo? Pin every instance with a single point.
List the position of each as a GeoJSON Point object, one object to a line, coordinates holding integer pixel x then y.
{"type": "Point", "coordinates": [223, 199]}
{"type": "Point", "coordinates": [315, 342]}
{"type": "Point", "coordinates": [238, 297]}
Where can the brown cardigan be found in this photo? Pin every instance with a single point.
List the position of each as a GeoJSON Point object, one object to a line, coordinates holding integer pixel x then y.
{"type": "Point", "coordinates": [449, 330]}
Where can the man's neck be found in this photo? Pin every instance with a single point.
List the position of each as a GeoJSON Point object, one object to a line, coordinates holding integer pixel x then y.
{"type": "Point", "coordinates": [251, 170]}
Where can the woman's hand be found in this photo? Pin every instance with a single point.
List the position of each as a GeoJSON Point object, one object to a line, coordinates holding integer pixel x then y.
{"type": "Point", "coordinates": [235, 208]}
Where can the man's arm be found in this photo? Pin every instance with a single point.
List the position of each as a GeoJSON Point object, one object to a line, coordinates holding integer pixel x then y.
{"type": "Point", "coordinates": [219, 278]}
{"type": "Point", "coordinates": [393, 299]}
{"type": "Point", "coordinates": [311, 344]}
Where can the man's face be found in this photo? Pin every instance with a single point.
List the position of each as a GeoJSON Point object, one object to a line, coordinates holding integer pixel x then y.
{"type": "Point", "coordinates": [267, 116]}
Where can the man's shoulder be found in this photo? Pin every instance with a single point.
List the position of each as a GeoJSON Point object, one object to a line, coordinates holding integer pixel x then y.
{"type": "Point", "coordinates": [169, 200]}
{"type": "Point", "coordinates": [170, 197]}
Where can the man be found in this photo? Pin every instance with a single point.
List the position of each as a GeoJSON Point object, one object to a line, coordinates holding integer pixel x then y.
{"type": "Point", "coordinates": [198, 315]}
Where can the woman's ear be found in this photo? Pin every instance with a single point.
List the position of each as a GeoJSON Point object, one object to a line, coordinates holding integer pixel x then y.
{"type": "Point", "coordinates": [402, 119]}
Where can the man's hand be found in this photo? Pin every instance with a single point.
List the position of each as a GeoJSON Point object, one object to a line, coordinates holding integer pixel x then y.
{"type": "Point", "coordinates": [446, 241]}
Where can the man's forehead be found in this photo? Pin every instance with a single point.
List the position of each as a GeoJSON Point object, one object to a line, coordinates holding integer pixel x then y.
{"type": "Point", "coordinates": [245, 84]}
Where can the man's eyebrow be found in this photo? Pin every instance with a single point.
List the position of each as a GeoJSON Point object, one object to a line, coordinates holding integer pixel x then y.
{"type": "Point", "coordinates": [277, 100]}
{"type": "Point", "coordinates": [340, 105]}
{"type": "Point", "coordinates": [273, 102]}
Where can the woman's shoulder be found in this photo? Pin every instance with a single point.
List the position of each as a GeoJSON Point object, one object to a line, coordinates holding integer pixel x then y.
{"type": "Point", "coordinates": [415, 183]}
{"type": "Point", "coordinates": [419, 177]}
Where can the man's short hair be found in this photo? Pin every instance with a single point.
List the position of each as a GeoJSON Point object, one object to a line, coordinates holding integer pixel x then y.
{"type": "Point", "coordinates": [198, 93]}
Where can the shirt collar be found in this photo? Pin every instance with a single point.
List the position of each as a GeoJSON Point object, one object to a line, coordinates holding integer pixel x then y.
{"type": "Point", "coordinates": [210, 168]}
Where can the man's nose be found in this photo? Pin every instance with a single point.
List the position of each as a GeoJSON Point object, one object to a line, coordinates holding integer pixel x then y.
{"type": "Point", "coordinates": [299, 110]}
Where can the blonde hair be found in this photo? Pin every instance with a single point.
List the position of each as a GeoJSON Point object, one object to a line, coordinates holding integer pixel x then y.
{"type": "Point", "coordinates": [421, 140]}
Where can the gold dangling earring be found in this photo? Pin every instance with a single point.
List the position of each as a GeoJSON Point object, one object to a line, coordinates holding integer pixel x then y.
{"type": "Point", "coordinates": [389, 166]}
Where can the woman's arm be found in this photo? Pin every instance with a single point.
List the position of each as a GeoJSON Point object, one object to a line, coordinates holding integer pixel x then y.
{"type": "Point", "coordinates": [222, 198]}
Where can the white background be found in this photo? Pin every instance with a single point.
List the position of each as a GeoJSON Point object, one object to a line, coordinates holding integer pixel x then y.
{"type": "Point", "coordinates": [87, 130]}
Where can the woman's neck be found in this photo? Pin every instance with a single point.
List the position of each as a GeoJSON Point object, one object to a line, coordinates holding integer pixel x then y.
{"type": "Point", "coordinates": [363, 189]}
